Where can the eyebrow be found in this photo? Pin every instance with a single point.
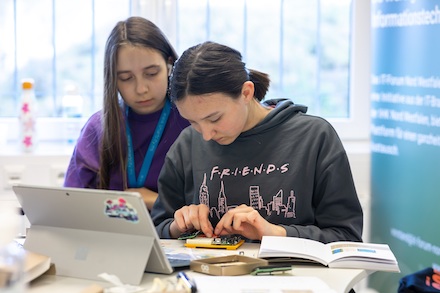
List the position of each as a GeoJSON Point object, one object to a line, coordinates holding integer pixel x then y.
{"type": "Point", "coordinates": [154, 66]}
{"type": "Point", "coordinates": [210, 115]}
{"type": "Point", "coordinates": [204, 118]}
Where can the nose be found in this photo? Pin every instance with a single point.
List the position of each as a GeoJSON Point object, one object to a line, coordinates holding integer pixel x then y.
{"type": "Point", "coordinates": [207, 132]}
{"type": "Point", "coordinates": [141, 86]}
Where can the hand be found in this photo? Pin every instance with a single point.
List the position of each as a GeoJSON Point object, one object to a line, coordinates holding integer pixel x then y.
{"type": "Point", "coordinates": [248, 222]}
{"type": "Point", "coordinates": [192, 217]}
{"type": "Point", "coordinates": [148, 195]}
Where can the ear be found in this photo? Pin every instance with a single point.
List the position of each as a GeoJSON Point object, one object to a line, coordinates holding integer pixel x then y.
{"type": "Point", "coordinates": [170, 61]}
{"type": "Point", "coordinates": [248, 90]}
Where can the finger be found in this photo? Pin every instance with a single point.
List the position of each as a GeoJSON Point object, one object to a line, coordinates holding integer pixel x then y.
{"type": "Point", "coordinates": [203, 219]}
{"type": "Point", "coordinates": [244, 223]}
{"type": "Point", "coordinates": [192, 217]}
{"type": "Point", "coordinates": [179, 219]}
{"type": "Point", "coordinates": [224, 224]}
{"type": "Point", "coordinates": [249, 219]}
{"type": "Point", "coordinates": [238, 220]}
{"type": "Point", "coordinates": [253, 216]}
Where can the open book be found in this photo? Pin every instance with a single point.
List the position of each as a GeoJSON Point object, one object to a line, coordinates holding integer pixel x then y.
{"type": "Point", "coordinates": [341, 254]}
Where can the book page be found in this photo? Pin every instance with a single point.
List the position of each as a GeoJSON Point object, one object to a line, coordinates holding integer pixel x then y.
{"type": "Point", "coordinates": [361, 252]}
{"type": "Point", "coordinates": [342, 254]}
{"type": "Point", "coordinates": [274, 246]}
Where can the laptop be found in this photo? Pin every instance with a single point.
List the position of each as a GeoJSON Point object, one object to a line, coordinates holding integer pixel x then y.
{"type": "Point", "coordinates": [87, 232]}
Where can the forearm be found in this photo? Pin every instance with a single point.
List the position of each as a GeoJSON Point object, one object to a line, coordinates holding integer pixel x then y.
{"type": "Point", "coordinates": [278, 230]}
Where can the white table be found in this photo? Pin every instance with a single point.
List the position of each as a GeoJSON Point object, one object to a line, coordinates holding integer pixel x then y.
{"type": "Point", "coordinates": [340, 280]}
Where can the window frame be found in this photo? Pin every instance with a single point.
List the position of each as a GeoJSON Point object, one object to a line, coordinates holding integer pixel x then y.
{"type": "Point", "coordinates": [357, 126]}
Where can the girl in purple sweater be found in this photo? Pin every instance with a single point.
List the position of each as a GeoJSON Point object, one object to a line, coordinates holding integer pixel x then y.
{"type": "Point", "coordinates": [123, 146]}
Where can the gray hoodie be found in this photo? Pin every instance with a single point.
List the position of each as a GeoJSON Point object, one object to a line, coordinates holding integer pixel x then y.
{"type": "Point", "coordinates": [291, 167]}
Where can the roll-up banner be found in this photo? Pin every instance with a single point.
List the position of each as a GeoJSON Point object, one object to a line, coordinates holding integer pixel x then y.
{"type": "Point", "coordinates": [405, 135]}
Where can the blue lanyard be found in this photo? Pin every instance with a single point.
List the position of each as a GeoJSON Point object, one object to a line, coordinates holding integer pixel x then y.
{"type": "Point", "coordinates": [132, 182]}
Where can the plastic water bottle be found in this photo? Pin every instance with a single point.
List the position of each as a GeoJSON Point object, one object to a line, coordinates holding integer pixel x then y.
{"type": "Point", "coordinates": [27, 117]}
{"type": "Point", "coordinates": [72, 108]}
{"type": "Point", "coordinates": [12, 255]}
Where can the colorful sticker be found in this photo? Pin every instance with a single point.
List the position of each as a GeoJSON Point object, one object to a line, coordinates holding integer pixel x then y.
{"type": "Point", "coordinates": [119, 208]}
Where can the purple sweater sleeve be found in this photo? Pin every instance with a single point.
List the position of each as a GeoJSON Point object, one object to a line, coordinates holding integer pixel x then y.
{"type": "Point", "coordinates": [84, 163]}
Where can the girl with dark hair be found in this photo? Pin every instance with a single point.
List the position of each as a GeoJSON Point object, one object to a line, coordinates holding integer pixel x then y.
{"type": "Point", "coordinates": [249, 167]}
{"type": "Point", "coordinates": [123, 146]}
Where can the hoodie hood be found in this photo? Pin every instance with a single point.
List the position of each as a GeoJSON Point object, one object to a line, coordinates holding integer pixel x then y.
{"type": "Point", "coordinates": [283, 109]}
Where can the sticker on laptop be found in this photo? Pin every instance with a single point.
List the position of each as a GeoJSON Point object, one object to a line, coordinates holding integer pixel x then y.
{"type": "Point", "coordinates": [119, 208]}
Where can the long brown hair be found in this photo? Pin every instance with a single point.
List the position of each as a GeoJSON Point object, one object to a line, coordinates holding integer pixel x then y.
{"type": "Point", "coordinates": [135, 31]}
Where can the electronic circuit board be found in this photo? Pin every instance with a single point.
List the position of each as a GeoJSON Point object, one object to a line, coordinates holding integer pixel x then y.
{"type": "Point", "coordinates": [199, 240]}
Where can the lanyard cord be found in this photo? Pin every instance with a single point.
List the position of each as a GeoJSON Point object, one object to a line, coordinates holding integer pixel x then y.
{"type": "Point", "coordinates": [132, 182]}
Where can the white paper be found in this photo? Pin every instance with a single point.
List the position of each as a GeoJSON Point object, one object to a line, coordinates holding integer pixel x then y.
{"type": "Point", "coordinates": [261, 284]}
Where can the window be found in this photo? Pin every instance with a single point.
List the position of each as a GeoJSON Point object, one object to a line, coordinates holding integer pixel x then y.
{"type": "Point", "coordinates": [304, 45]}
{"type": "Point", "coordinates": [60, 45]}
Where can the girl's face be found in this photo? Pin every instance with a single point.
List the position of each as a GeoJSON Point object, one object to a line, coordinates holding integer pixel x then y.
{"type": "Point", "coordinates": [217, 116]}
{"type": "Point", "coordinates": [142, 78]}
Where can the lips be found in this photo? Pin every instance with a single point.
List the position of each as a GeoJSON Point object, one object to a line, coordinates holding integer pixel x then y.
{"type": "Point", "coordinates": [219, 140]}
{"type": "Point", "coordinates": [146, 102]}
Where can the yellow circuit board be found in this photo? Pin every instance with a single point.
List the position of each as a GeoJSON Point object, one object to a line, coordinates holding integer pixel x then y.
{"type": "Point", "coordinates": [205, 242]}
